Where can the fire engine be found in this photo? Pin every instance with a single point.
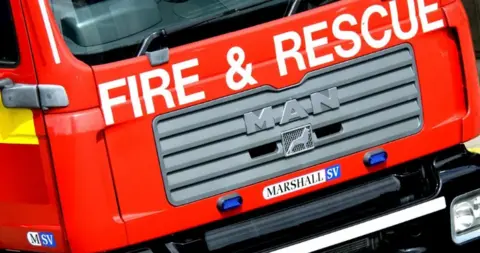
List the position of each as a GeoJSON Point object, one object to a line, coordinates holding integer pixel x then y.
{"type": "Point", "coordinates": [238, 126]}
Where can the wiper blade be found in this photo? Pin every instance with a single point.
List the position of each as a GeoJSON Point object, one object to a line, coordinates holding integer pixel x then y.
{"type": "Point", "coordinates": [197, 22]}
{"type": "Point", "coordinates": [294, 7]}
{"type": "Point", "coordinates": [296, 4]}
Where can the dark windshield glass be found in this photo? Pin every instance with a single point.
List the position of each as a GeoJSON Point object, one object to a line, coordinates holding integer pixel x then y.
{"type": "Point", "coordinates": [101, 31]}
{"type": "Point", "coordinates": [8, 43]}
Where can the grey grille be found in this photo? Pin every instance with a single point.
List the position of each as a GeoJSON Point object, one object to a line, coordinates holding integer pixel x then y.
{"type": "Point", "coordinates": [205, 150]}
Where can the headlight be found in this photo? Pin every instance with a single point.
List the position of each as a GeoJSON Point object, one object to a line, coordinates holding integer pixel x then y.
{"type": "Point", "coordinates": [465, 217]}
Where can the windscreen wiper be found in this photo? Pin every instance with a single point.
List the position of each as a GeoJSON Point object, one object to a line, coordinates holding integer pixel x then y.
{"type": "Point", "coordinates": [162, 34]}
{"type": "Point", "coordinates": [296, 4]}
{"type": "Point", "coordinates": [294, 7]}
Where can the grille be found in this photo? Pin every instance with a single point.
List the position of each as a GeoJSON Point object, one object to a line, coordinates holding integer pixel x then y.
{"type": "Point", "coordinates": [297, 140]}
{"type": "Point", "coordinates": [205, 150]}
{"type": "Point", "coordinates": [362, 245]}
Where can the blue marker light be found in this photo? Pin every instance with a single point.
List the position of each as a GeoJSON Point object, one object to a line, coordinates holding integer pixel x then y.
{"type": "Point", "coordinates": [229, 202]}
{"type": "Point", "coordinates": [375, 158]}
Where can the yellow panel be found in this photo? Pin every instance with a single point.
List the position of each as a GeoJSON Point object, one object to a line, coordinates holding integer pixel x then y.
{"type": "Point", "coordinates": [475, 150]}
{"type": "Point", "coordinates": [17, 126]}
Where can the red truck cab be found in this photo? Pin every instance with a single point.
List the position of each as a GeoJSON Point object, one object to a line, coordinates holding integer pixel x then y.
{"type": "Point", "coordinates": [220, 126]}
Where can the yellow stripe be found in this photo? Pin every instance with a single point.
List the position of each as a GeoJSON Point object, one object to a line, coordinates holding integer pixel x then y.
{"type": "Point", "coordinates": [475, 150]}
{"type": "Point", "coordinates": [17, 126]}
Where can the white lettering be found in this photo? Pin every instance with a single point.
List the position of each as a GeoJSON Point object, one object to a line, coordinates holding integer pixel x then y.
{"type": "Point", "coordinates": [346, 35]}
{"type": "Point", "coordinates": [397, 29]}
{"type": "Point", "coordinates": [423, 11]}
{"type": "Point", "coordinates": [292, 53]}
{"type": "Point", "coordinates": [236, 58]}
{"type": "Point", "coordinates": [149, 93]}
{"type": "Point", "coordinates": [366, 30]}
{"type": "Point", "coordinates": [181, 82]}
{"type": "Point", "coordinates": [134, 97]}
{"type": "Point", "coordinates": [107, 102]}
{"type": "Point", "coordinates": [289, 46]}
{"type": "Point", "coordinates": [311, 44]}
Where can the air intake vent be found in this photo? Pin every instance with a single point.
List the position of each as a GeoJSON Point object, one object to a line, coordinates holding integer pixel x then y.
{"type": "Point", "coordinates": [205, 150]}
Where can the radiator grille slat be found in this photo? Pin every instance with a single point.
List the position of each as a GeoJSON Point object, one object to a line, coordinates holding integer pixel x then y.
{"type": "Point", "coordinates": [243, 160]}
{"type": "Point", "coordinates": [334, 78]}
{"type": "Point", "coordinates": [236, 125]}
{"type": "Point", "coordinates": [245, 142]}
{"type": "Point", "coordinates": [280, 167]}
{"type": "Point", "coordinates": [205, 150]}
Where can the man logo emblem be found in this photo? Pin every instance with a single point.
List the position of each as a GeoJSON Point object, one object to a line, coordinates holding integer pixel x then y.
{"type": "Point", "coordinates": [291, 111]}
{"type": "Point", "coordinates": [297, 140]}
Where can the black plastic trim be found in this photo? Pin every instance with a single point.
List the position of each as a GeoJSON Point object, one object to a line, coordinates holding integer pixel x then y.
{"type": "Point", "coordinates": [235, 233]}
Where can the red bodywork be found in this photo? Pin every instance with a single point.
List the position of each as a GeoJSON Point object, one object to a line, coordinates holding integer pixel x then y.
{"type": "Point", "coordinates": [99, 187]}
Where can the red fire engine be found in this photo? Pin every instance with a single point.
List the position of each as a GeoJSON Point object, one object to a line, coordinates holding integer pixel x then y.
{"type": "Point", "coordinates": [237, 126]}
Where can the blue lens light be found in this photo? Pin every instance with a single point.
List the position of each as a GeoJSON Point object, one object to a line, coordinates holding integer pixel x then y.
{"type": "Point", "coordinates": [227, 203]}
{"type": "Point", "coordinates": [375, 158]}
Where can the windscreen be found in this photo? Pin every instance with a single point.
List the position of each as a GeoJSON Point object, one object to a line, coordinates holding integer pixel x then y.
{"type": "Point", "coordinates": [102, 31]}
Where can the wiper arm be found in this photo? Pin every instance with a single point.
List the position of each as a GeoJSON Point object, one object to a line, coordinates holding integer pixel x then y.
{"type": "Point", "coordinates": [198, 22]}
{"type": "Point", "coordinates": [296, 4]}
{"type": "Point", "coordinates": [294, 7]}
{"type": "Point", "coordinates": [148, 40]}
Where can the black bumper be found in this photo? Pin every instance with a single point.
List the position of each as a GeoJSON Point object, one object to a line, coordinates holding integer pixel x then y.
{"type": "Point", "coordinates": [443, 175]}
{"type": "Point", "coordinates": [430, 233]}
